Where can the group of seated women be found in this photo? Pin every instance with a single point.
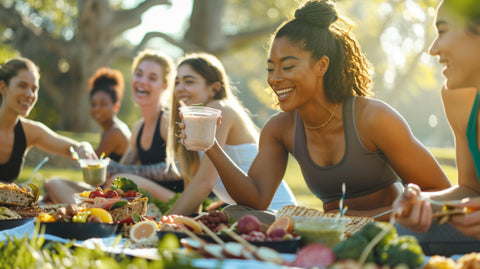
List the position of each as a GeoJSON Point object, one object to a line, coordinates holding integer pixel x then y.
{"type": "Point", "coordinates": [328, 121]}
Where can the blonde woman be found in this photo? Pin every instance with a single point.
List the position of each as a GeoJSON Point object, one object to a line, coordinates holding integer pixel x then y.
{"type": "Point", "coordinates": [145, 159]}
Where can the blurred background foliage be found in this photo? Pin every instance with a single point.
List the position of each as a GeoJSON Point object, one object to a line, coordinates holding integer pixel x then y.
{"type": "Point", "coordinates": [395, 35]}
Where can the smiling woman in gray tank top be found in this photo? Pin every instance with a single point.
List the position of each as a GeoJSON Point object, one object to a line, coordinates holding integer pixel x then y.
{"type": "Point", "coordinates": [330, 124]}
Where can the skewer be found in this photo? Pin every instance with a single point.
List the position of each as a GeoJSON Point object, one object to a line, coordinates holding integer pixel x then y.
{"type": "Point", "coordinates": [265, 254]}
{"type": "Point", "coordinates": [211, 233]}
{"type": "Point", "coordinates": [191, 234]}
{"type": "Point", "coordinates": [210, 250]}
{"type": "Point", "coordinates": [240, 239]}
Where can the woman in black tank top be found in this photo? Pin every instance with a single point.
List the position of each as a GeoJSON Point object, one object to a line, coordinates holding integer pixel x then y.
{"type": "Point", "coordinates": [144, 160]}
{"type": "Point", "coordinates": [19, 84]}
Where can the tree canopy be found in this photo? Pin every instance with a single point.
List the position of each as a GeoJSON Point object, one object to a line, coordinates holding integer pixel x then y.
{"type": "Point", "coordinates": [70, 39]}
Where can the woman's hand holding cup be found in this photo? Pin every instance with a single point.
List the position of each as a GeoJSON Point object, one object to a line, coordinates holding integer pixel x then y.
{"type": "Point", "coordinates": [198, 127]}
{"type": "Point", "coordinates": [86, 151]}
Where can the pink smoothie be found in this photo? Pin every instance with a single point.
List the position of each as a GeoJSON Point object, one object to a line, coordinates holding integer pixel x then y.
{"type": "Point", "coordinates": [200, 131]}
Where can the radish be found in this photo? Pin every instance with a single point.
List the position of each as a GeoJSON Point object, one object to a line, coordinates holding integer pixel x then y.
{"type": "Point", "coordinates": [249, 223]}
{"type": "Point", "coordinates": [314, 255]}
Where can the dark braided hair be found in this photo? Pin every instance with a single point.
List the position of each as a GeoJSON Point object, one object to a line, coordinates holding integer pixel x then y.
{"type": "Point", "coordinates": [318, 28]}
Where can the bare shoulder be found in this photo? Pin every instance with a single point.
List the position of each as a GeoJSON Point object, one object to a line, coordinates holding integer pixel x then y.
{"type": "Point", "coordinates": [34, 128]}
{"type": "Point", "coordinates": [27, 123]}
{"type": "Point", "coordinates": [379, 123]}
{"type": "Point", "coordinates": [136, 127]}
{"type": "Point", "coordinates": [136, 130]}
{"type": "Point", "coordinates": [280, 123]}
{"type": "Point", "coordinates": [229, 111]}
{"type": "Point", "coordinates": [223, 105]}
{"type": "Point", "coordinates": [282, 118]}
{"type": "Point", "coordinates": [371, 111]}
{"type": "Point", "coordinates": [114, 132]}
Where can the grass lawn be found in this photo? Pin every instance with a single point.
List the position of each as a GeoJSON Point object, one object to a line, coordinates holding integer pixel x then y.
{"type": "Point", "coordinates": [293, 175]}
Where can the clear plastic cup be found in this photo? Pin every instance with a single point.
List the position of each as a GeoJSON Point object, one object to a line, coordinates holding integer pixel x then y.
{"type": "Point", "coordinates": [200, 126]}
{"type": "Point", "coordinates": [324, 230]}
{"type": "Point", "coordinates": [94, 170]}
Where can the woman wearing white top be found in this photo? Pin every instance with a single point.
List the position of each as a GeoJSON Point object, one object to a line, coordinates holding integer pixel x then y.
{"type": "Point", "coordinates": [201, 78]}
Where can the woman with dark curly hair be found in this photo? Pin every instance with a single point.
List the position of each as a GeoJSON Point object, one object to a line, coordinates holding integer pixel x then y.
{"type": "Point", "coordinates": [106, 88]}
{"type": "Point", "coordinates": [336, 132]}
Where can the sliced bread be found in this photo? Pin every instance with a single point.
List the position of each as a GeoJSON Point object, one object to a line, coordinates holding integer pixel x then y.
{"type": "Point", "coordinates": [12, 195]}
{"type": "Point", "coordinates": [138, 206]}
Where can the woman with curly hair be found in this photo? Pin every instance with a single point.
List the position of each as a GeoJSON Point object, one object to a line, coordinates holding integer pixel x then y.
{"type": "Point", "coordinates": [336, 132]}
{"type": "Point", "coordinates": [106, 88]}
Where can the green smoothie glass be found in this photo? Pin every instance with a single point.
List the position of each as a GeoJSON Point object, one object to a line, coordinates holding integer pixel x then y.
{"type": "Point", "coordinates": [94, 170]}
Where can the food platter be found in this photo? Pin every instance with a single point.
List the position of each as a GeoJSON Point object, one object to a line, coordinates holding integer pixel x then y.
{"type": "Point", "coordinates": [80, 231]}
{"type": "Point", "coordinates": [282, 246]}
{"type": "Point", "coordinates": [12, 223]}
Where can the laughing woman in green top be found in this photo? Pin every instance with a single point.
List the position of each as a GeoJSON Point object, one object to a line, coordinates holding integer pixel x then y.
{"type": "Point", "coordinates": [458, 48]}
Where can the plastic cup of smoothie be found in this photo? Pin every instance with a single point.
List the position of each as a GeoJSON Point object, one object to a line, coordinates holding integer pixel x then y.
{"type": "Point", "coordinates": [94, 170]}
{"type": "Point", "coordinates": [200, 126]}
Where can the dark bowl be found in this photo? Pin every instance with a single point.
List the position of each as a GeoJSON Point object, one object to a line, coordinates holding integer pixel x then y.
{"type": "Point", "coordinates": [80, 231]}
{"type": "Point", "coordinates": [282, 246]}
{"type": "Point", "coordinates": [12, 223]}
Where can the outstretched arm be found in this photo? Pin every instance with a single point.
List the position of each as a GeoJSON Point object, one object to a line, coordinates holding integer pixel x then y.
{"type": "Point", "coordinates": [414, 211]}
{"type": "Point", "coordinates": [257, 188]}
{"type": "Point", "coordinates": [42, 137]}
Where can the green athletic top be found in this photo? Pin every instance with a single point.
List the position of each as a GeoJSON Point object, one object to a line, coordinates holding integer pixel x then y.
{"type": "Point", "coordinates": [472, 134]}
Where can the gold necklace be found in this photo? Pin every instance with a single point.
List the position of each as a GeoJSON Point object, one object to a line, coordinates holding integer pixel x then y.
{"type": "Point", "coordinates": [325, 123]}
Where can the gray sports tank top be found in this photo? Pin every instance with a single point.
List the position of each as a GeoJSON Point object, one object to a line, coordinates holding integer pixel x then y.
{"type": "Point", "coordinates": [363, 171]}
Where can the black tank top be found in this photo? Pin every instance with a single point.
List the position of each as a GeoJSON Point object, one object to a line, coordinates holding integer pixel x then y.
{"type": "Point", "coordinates": [157, 151]}
{"type": "Point", "coordinates": [10, 170]}
{"type": "Point", "coordinates": [115, 157]}
{"type": "Point", "coordinates": [362, 170]}
{"type": "Point", "coordinates": [156, 154]}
